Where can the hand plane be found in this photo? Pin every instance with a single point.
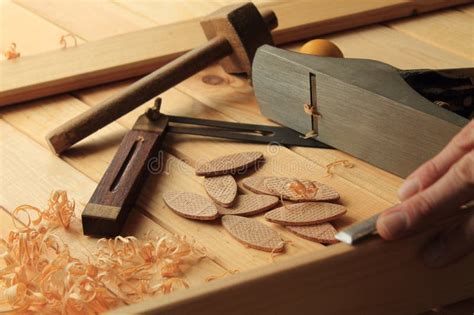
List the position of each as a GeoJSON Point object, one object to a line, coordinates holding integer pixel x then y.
{"type": "Point", "coordinates": [394, 119]}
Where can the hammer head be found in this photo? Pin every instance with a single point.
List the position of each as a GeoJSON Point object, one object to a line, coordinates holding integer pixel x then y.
{"type": "Point", "coordinates": [245, 29]}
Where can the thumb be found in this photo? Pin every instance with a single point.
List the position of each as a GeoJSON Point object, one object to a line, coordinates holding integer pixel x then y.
{"type": "Point", "coordinates": [451, 245]}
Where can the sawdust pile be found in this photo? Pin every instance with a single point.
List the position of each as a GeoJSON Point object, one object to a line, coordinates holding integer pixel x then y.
{"type": "Point", "coordinates": [38, 272]}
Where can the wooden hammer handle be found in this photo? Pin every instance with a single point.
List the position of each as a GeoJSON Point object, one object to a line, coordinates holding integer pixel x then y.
{"type": "Point", "coordinates": [120, 186]}
{"type": "Point", "coordinates": [137, 93]}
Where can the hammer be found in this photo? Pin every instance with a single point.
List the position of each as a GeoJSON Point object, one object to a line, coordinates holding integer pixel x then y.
{"type": "Point", "coordinates": [234, 34]}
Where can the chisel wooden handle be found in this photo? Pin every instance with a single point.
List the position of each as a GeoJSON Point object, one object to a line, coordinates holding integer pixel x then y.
{"type": "Point", "coordinates": [121, 184]}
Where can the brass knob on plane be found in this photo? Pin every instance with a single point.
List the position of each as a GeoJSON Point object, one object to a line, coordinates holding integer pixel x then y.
{"type": "Point", "coordinates": [322, 48]}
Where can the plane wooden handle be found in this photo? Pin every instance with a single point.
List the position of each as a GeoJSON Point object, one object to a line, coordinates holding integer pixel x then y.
{"type": "Point", "coordinates": [137, 93]}
{"type": "Point", "coordinates": [117, 191]}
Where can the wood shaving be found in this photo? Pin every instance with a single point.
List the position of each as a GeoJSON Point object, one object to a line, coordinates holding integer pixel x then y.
{"type": "Point", "coordinates": [11, 53]}
{"type": "Point", "coordinates": [38, 273]}
{"type": "Point", "coordinates": [302, 190]}
{"type": "Point", "coordinates": [311, 110]}
{"type": "Point", "coordinates": [274, 254]}
{"type": "Point", "coordinates": [331, 166]}
{"type": "Point", "coordinates": [63, 41]}
{"type": "Point", "coordinates": [222, 275]}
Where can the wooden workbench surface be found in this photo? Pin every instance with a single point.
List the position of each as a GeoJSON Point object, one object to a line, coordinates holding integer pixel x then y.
{"type": "Point", "coordinates": [29, 171]}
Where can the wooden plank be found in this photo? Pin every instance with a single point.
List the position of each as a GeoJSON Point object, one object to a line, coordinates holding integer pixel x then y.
{"type": "Point", "coordinates": [233, 96]}
{"type": "Point", "coordinates": [166, 12]}
{"type": "Point", "coordinates": [132, 54]}
{"type": "Point", "coordinates": [422, 6]}
{"type": "Point", "coordinates": [87, 19]}
{"type": "Point", "coordinates": [30, 173]}
{"type": "Point", "coordinates": [450, 30]}
{"type": "Point", "coordinates": [374, 277]}
{"type": "Point", "coordinates": [469, 9]}
{"type": "Point", "coordinates": [280, 162]}
{"type": "Point", "coordinates": [6, 222]}
{"type": "Point", "coordinates": [94, 154]}
{"type": "Point", "coordinates": [111, 59]}
{"type": "Point", "coordinates": [385, 44]}
{"type": "Point", "coordinates": [16, 25]}
{"type": "Point", "coordinates": [184, 109]}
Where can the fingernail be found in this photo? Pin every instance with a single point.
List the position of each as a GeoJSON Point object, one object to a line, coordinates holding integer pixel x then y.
{"type": "Point", "coordinates": [394, 223]}
{"type": "Point", "coordinates": [410, 187]}
{"type": "Point", "coordinates": [432, 255]}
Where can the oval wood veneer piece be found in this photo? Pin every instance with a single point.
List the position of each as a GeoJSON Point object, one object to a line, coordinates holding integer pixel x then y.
{"type": "Point", "coordinates": [250, 204]}
{"type": "Point", "coordinates": [306, 213]}
{"type": "Point", "coordinates": [256, 184]}
{"type": "Point", "coordinates": [229, 164]}
{"type": "Point", "coordinates": [299, 189]}
{"type": "Point", "coordinates": [253, 233]}
{"type": "Point", "coordinates": [323, 233]}
{"type": "Point", "coordinates": [190, 205]}
{"type": "Point", "coordinates": [221, 189]}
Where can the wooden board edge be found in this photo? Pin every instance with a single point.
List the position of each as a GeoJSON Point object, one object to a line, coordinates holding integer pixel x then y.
{"type": "Point", "coordinates": [310, 30]}
{"type": "Point", "coordinates": [101, 69]}
{"type": "Point", "coordinates": [374, 277]}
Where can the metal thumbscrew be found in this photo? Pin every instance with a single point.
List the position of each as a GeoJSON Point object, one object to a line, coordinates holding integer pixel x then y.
{"type": "Point", "coordinates": [153, 113]}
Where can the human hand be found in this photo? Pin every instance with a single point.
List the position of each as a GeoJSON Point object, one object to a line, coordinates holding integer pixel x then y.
{"type": "Point", "coordinates": [439, 188]}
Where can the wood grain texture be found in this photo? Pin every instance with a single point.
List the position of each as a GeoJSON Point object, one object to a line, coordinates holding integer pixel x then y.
{"type": "Point", "coordinates": [305, 213]}
{"type": "Point", "coordinates": [389, 273]}
{"type": "Point", "coordinates": [76, 69]}
{"type": "Point", "coordinates": [30, 173]}
{"type": "Point", "coordinates": [252, 233]}
{"type": "Point", "coordinates": [228, 98]}
{"type": "Point", "coordinates": [450, 30]}
{"type": "Point", "coordinates": [281, 162]}
{"type": "Point", "coordinates": [86, 19]}
{"type": "Point", "coordinates": [430, 5]}
{"type": "Point", "coordinates": [237, 163]}
{"type": "Point", "coordinates": [228, 40]}
{"type": "Point", "coordinates": [116, 193]}
{"type": "Point", "coordinates": [221, 189]}
{"type": "Point", "coordinates": [6, 222]}
{"type": "Point", "coordinates": [299, 189]}
{"type": "Point", "coordinates": [234, 23]}
{"type": "Point", "coordinates": [250, 204]}
{"type": "Point", "coordinates": [148, 87]}
{"type": "Point", "coordinates": [94, 154]}
{"type": "Point", "coordinates": [323, 233]}
{"type": "Point", "coordinates": [469, 9]}
{"type": "Point", "coordinates": [366, 108]}
{"type": "Point", "coordinates": [16, 24]}
{"type": "Point", "coordinates": [190, 205]}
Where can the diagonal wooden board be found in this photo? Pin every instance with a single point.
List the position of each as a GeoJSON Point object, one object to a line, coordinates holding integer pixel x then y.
{"type": "Point", "coordinates": [140, 52]}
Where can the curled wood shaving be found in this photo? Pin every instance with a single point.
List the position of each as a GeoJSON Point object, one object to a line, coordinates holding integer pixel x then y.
{"type": "Point", "coordinates": [63, 41]}
{"type": "Point", "coordinates": [222, 275]}
{"type": "Point", "coordinates": [302, 190]}
{"type": "Point", "coordinates": [311, 110]}
{"type": "Point", "coordinates": [38, 273]}
{"type": "Point", "coordinates": [331, 166]}
{"type": "Point", "coordinates": [11, 53]}
{"type": "Point", "coordinates": [274, 254]}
